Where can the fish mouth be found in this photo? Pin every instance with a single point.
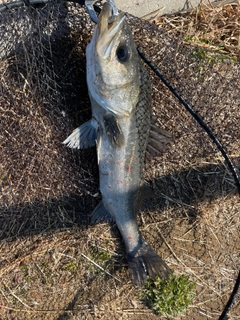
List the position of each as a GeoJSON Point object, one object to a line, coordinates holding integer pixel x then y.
{"type": "Point", "coordinates": [108, 31]}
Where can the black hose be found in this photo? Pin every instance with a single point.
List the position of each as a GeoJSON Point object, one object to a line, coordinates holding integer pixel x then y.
{"type": "Point", "coordinates": [219, 146]}
{"type": "Point", "coordinates": [195, 116]}
{"type": "Point", "coordinates": [231, 299]}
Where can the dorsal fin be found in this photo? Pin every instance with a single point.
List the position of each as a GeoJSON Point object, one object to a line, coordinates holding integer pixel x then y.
{"type": "Point", "coordinates": [158, 140]}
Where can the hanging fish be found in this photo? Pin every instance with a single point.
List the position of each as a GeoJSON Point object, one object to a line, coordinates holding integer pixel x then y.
{"type": "Point", "coordinates": [120, 93]}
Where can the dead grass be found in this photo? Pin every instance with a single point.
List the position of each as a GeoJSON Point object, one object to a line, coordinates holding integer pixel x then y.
{"type": "Point", "coordinates": [47, 247]}
{"type": "Point", "coordinates": [212, 27]}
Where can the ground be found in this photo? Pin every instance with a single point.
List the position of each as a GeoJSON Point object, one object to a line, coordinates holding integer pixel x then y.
{"type": "Point", "coordinates": [51, 257]}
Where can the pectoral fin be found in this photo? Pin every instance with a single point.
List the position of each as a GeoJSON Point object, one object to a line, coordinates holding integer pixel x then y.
{"type": "Point", "coordinates": [113, 131]}
{"type": "Point", "coordinates": [84, 136]}
{"type": "Point", "coordinates": [158, 140]}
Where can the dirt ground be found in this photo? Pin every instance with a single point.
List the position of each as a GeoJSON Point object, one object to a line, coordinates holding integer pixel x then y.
{"type": "Point", "coordinates": [52, 259]}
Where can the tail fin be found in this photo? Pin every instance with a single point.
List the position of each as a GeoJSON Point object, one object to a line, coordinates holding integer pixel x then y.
{"type": "Point", "coordinates": [146, 262]}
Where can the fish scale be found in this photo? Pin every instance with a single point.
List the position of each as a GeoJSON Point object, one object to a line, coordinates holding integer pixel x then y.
{"type": "Point", "coordinates": [143, 114]}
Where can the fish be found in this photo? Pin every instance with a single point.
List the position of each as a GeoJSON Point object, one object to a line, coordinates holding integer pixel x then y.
{"type": "Point", "coordinates": [120, 93]}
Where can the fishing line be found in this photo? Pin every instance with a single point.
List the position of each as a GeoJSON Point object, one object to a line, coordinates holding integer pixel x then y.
{"type": "Point", "coordinates": [188, 107]}
{"type": "Point", "coordinates": [216, 142]}
{"type": "Point", "coordinates": [195, 116]}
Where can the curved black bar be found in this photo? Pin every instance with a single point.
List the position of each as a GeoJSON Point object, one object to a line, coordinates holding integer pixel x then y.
{"type": "Point", "coordinates": [195, 116]}
{"type": "Point", "coordinates": [217, 143]}
{"type": "Point", "coordinates": [231, 299]}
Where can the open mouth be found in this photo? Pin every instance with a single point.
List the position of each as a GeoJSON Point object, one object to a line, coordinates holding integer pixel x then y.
{"type": "Point", "coordinates": [107, 31]}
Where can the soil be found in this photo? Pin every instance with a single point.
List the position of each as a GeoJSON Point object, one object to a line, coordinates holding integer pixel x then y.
{"type": "Point", "coordinates": [51, 257]}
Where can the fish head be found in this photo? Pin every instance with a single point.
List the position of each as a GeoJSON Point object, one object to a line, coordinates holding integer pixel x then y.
{"type": "Point", "coordinates": [113, 64]}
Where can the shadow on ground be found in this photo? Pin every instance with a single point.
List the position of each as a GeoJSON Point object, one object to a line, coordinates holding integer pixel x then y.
{"type": "Point", "coordinates": [181, 190]}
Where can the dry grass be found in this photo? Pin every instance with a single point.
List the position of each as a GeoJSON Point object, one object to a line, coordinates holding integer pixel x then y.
{"type": "Point", "coordinates": [46, 189]}
{"type": "Point", "coordinates": [208, 26]}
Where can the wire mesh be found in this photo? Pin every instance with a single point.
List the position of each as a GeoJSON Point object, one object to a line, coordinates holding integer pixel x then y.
{"type": "Point", "coordinates": [46, 188]}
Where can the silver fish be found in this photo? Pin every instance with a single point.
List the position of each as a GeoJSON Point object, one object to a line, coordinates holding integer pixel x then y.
{"type": "Point", "coordinates": [120, 93]}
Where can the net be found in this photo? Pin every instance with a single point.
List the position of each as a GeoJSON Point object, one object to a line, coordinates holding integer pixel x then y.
{"type": "Point", "coordinates": [46, 189]}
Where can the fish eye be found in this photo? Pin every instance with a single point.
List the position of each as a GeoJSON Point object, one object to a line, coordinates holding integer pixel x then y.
{"type": "Point", "coordinates": [122, 53]}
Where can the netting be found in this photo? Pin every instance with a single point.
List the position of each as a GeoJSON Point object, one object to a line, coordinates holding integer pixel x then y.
{"type": "Point", "coordinates": [46, 188]}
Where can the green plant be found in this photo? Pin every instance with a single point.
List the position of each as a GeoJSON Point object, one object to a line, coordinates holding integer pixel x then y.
{"type": "Point", "coordinates": [70, 266]}
{"type": "Point", "coordinates": [213, 56]}
{"type": "Point", "coordinates": [168, 297]}
{"type": "Point", "coordinates": [3, 177]}
{"type": "Point", "coordinates": [100, 254]}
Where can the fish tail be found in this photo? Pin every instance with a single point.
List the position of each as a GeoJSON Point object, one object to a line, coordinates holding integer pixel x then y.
{"type": "Point", "coordinates": [146, 262]}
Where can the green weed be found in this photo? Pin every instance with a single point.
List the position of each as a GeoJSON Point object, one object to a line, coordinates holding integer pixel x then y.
{"type": "Point", "coordinates": [212, 56]}
{"type": "Point", "coordinates": [100, 254]}
{"type": "Point", "coordinates": [168, 297]}
{"type": "Point", "coordinates": [71, 266]}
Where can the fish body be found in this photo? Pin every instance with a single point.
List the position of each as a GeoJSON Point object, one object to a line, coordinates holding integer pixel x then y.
{"type": "Point", "coordinates": [120, 94]}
